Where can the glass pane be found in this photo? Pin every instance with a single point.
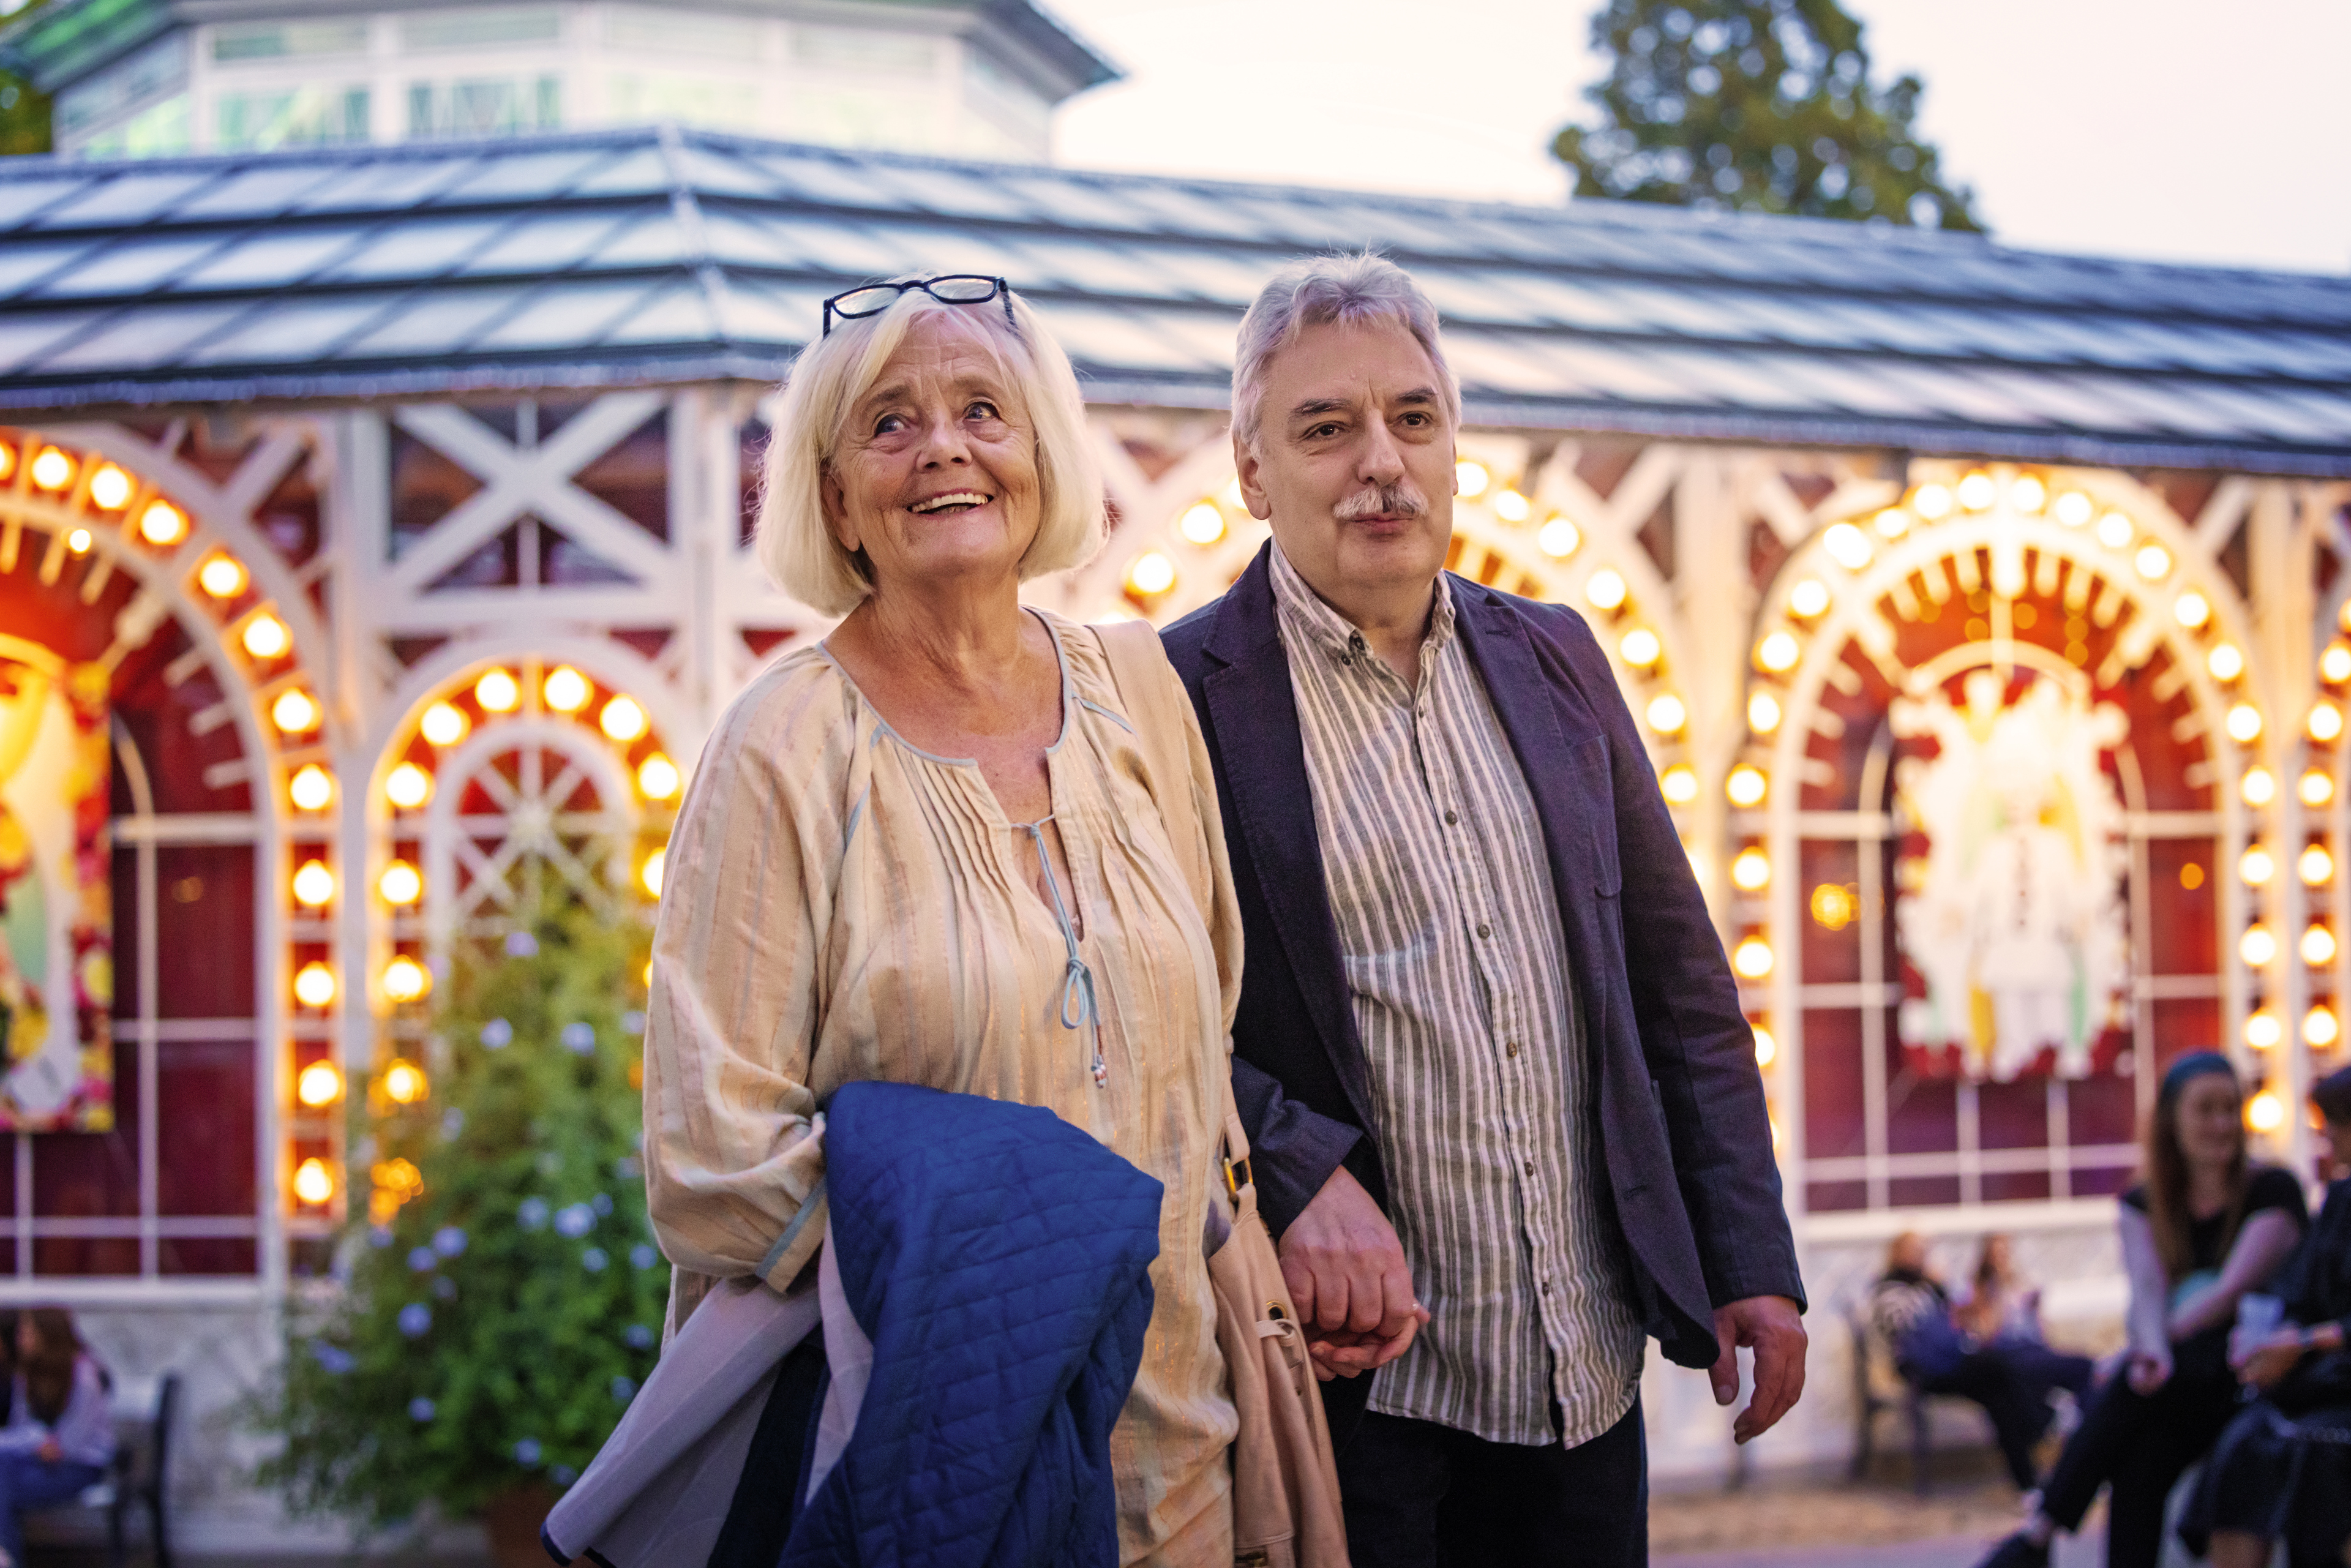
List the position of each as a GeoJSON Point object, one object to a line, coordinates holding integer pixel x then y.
{"type": "Point", "coordinates": [205, 1151]}
{"type": "Point", "coordinates": [203, 931]}
{"type": "Point", "coordinates": [1832, 1102]}
{"type": "Point", "coordinates": [208, 1255]}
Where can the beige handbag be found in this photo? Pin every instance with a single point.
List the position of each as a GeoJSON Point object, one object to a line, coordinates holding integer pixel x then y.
{"type": "Point", "coordinates": [1285, 1484]}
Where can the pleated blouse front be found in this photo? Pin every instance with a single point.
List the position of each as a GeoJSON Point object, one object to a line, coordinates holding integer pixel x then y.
{"type": "Point", "coordinates": [839, 906]}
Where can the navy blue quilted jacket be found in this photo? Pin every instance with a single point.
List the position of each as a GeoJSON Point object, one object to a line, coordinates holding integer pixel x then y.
{"type": "Point", "coordinates": [997, 1258]}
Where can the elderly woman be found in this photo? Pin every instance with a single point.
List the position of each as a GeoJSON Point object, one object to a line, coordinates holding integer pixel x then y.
{"type": "Point", "coordinates": [925, 850]}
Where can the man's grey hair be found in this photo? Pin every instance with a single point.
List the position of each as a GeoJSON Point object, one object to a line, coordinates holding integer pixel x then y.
{"type": "Point", "coordinates": [1351, 289]}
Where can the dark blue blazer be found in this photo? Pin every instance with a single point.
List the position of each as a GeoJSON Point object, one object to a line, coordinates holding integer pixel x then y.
{"type": "Point", "coordinates": [1693, 1189]}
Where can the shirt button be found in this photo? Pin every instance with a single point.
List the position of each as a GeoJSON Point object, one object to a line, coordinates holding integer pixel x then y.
{"type": "Point", "coordinates": [1484, 929]}
{"type": "Point", "coordinates": [1530, 1168]}
{"type": "Point", "coordinates": [1451, 818]}
{"type": "Point", "coordinates": [1511, 1049]}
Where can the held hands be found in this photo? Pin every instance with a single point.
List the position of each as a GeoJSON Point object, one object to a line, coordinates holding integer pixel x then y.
{"type": "Point", "coordinates": [50, 1451]}
{"type": "Point", "coordinates": [1772, 1328]}
{"type": "Point", "coordinates": [2148, 1370]}
{"type": "Point", "coordinates": [2265, 1363]}
{"type": "Point", "coordinates": [1347, 1277]}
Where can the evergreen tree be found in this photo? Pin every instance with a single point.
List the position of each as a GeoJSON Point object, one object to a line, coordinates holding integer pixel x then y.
{"type": "Point", "coordinates": [1757, 105]}
{"type": "Point", "coordinates": [498, 1307]}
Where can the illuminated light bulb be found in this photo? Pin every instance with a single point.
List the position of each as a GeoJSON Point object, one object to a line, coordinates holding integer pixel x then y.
{"type": "Point", "coordinates": [623, 719]}
{"type": "Point", "coordinates": [162, 524]}
{"type": "Point", "coordinates": [1763, 713]}
{"type": "Point", "coordinates": [444, 724]}
{"type": "Point", "coordinates": [401, 884]}
{"type": "Point", "coordinates": [1641, 648]}
{"type": "Point", "coordinates": [314, 985]}
{"type": "Point", "coordinates": [1808, 598]}
{"type": "Point", "coordinates": [7, 460]}
{"type": "Point", "coordinates": [1511, 507]}
{"type": "Point", "coordinates": [314, 1183]}
{"type": "Point", "coordinates": [2152, 561]}
{"type": "Point", "coordinates": [2321, 1028]}
{"type": "Point", "coordinates": [1745, 786]}
{"type": "Point", "coordinates": [2073, 509]}
{"type": "Point", "coordinates": [399, 1178]}
{"type": "Point", "coordinates": [404, 1083]}
{"type": "Point", "coordinates": [499, 691]}
{"type": "Point", "coordinates": [1678, 784]}
{"type": "Point", "coordinates": [2225, 661]}
{"type": "Point", "coordinates": [1666, 715]}
{"type": "Point", "coordinates": [1558, 539]}
{"type": "Point", "coordinates": [2258, 947]}
{"type": "Point", "coordinates": [1605, 588]}
{"type": "Point", "coordinates": [1470, 478]}
{"type": "Point", "coordinates": [222, 576]}
{"type": "Point", "coordinates": [110, 488]}
{"type": "Point", "coordinates": [566, 690]}
{"type": "Point", "coordinates": [1752, 871]}
{"type": "Point", "coordinates": [266, 637]}
{"type": "Point", "coordinates": [2244, 724]}
{"type": "Point", "coordinates": [79, 540]}
{"type": "Point", "coordinates": [1149, 574]}
{"type": "Point", "coordinates": [312, 788]}
{"type": "Point", "coordinates": [1892, 523]}
{"type": "Point", "coordinates": [1847, 546]}
{"type": "Point", "coordinates": [2258, 787]}
{"type": "Point", "coordinates": [2317, 945]}
{"type": "Point", "coordinates": [2114, 531]}
{"type": "Point", "coordinates": [2334, 663]}
{"type": "Point", "coordinates": [2028, 494]}
{"type": "Point", "coordinates": [1977, 491]}
{"type": "Point", "coordinates": [657, 777]}
{"type": "Point", "coordinates": [1778, 653]}
{"type": "Point", "coordinates": [293, 712]}
{"type": "Point", "coordinates": [649, 873]}
{"type": "Point", "coordinates": [1931, 502]}
{"type": "Point", "coordinates": [2256, 865]}
{"type": "Point", "coordinates": [314, 885]}
{"type": "Point", "coordinates": [2325, 722]}
{"type": "Point", "coordinates": [2316, 867]}
{"type": "Point", "coordinates": [321, 1084]}
{"type": "Point", "coordinates": [2316, 788]}
{"type": "Point", "coordinates": [408, 786]}
{"type": "Point", "coordinates": [2192, 610]}
{"type": "Point", "coordinates": [1752, 958]}
{"type": "Point", "coordinates": [2265, 1112]}
{"type": "Point", "coordinates": [52, 470]}
{"type": "Point", "coordinates": [1767, 1049]}
{"type": "Point", "coordinates": [2263, 1030]}
{"type": "Point", "coordinates": [406, 980]}
{"type": "Point", "coordinates": [1204, 524]}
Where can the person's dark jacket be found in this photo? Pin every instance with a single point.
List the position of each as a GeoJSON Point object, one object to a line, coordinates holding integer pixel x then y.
{"type": "Point", "coordinates": [2316, 1288]}
{"type": "Point", "coordinates": [1692, 1187]}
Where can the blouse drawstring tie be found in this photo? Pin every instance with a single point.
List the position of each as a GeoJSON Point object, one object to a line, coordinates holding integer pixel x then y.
{"type": "Point", "coordinates": [1077, 979]}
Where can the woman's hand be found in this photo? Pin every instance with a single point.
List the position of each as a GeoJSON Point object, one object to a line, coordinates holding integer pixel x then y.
{"type": "Point", "coordinates": [2265, 1363]}
{"type": "Point", "coordinates": [2148, 1371]}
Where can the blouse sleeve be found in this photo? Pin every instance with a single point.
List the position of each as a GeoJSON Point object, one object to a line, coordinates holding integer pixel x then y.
{"type": "Point", "coordinates": [85, 1427]}
{"type": "Point", "coordinates": [734, 1142]}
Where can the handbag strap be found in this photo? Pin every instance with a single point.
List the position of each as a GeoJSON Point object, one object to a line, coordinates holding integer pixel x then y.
{"type": "Point", "coordinates": [1139, 669]}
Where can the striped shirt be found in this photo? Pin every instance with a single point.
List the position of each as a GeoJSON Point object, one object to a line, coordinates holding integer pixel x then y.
{"type": "Point", "coordinates": [1457, 973]}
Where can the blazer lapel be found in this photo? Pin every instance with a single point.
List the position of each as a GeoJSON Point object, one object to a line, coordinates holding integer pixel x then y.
{"type": "Point", "coordinates": [1255, 712]}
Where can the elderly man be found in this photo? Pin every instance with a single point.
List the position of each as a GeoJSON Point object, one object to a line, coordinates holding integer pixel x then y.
{"type": "Point", "coordinates": [1503, 1099]}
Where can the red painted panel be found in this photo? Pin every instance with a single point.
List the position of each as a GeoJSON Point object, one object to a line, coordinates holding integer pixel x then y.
{"type": "Point", "coordinates": [203, 931]}
{"type": "Point", "coordinates": [205, 1132]}
{"type": "Point", "coordinates": [88, 1175]}
{"type": "Point", "coordinates": [207, 1255]}
{"type": "Point", "coordinates": [1832, 1119]}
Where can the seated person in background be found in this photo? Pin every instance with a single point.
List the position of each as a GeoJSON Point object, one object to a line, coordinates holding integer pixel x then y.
{"type": "Point", "coordinates": [1910, 1306]}
{"type": "Point", "coordinates": [2202, 1228]}
{"type": "Point", "coordinates": [2002, 1313]}
{"type": "Point", "coordinates": [2282, 1469]}
{"type": "Point", "coordinates": [61, 1435]}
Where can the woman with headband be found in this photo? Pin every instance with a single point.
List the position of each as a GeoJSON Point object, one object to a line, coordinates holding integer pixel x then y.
{"type": "Point", "coordinates": [2204, 1225]}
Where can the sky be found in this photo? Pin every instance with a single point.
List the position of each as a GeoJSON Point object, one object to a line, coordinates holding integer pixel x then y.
{"type": "Point", "coordinates": [2170, 129]}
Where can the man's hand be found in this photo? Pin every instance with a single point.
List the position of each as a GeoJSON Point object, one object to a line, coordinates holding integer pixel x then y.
{"type": "Point", "coordinates": [1347, 1277]}
{"type": "Point", "coordinates": [2265, 1364]}
{"type": "Point", "coordinates": [1772, 1328]}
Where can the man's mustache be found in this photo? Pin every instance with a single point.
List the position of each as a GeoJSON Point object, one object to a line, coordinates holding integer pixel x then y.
{"type": "Point", "coordinates": [1400, 499]}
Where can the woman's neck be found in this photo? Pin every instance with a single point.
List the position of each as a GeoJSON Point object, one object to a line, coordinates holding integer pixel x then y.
{"type": "Point", "coordinates": [965, 636]}
{"type": "Point", "coordinates": [2208, 1187]}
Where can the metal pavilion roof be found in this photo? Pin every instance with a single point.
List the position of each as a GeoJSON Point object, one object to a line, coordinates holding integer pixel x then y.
{"type": "Point", "coordinates": [660, 255]}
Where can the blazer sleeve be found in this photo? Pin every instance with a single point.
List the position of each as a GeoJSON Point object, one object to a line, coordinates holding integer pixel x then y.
{"type": "Point", "coordinates": [734, 1142]}
{"type": "Point", "coordinates": [1699, 1047]}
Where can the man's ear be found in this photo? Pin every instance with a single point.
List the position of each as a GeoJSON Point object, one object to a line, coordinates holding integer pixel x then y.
{"type": "Point", "coordinates": [1245, 465]}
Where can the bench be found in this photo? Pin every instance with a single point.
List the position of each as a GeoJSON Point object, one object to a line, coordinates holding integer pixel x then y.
{"type": "Point", "coordinates": [142, 1438]}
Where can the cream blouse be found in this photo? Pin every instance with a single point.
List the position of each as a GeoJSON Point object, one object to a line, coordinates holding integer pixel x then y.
{"type": "Point", "coordinates": [839, 906]}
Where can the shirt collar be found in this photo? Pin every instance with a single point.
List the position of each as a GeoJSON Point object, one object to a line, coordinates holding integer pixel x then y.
{"type": "Point", "coordinates": [1327, 630]}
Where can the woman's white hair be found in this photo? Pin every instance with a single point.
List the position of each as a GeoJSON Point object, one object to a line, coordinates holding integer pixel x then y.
{"type": "Point", "coordinates": [1351, 289]}
{"type": "Point", "coordinates": [812, 409]}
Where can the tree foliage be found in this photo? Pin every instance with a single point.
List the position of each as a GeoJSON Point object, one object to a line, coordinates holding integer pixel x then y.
{"type": "Point", "coordinates": [488, 1337]}
{"type": "Point", "coordinates": [24, 108]}
{"type": "Point", "coordinates": [1757, 105]}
